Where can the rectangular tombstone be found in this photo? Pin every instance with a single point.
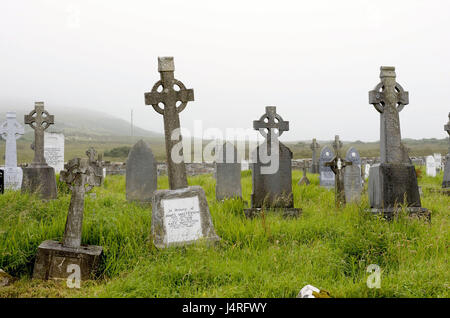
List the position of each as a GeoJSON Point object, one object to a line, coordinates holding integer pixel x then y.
{"type": "Point", "coordinates": [54, 150]}
{"type": "Point", "coordinates": [438, 160]}
{"type": "Point", "coordinates": [181, 217]}
{"type": "Point", "coordinates": [57, 262]}
{"type": "Point", "coordinates": [446, 179]}
{"type": "Point", "coordinates": [352, 176]}
{"type": "Point", "coordinates": [227, 173]}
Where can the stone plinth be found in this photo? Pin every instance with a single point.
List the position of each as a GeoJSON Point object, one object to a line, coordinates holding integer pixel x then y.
{"type": "Point", "coordinates": [40, 180]}
{"type": "Point", "coordinates": [53, 259]}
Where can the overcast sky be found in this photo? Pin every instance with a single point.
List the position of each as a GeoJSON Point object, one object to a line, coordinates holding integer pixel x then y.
{"type": "Point", "coordinates": [314, 60]}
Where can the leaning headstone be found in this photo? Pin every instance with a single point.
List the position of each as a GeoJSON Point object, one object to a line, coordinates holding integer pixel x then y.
{"type": "Point", "coordinates": [39, 177]}
{"type": "Point", "coordinates": [393, 181]}
{"type": "Point", "coordinates": [315, 161]}
{"type": "Point", "coordinates": [446, 179]}
{"type": "Point", "coordinates": [179, 215]}
{"type": "Point", "coordinates": [326, 175]}
{"type": "Point", "coordinates": [56, 260]}
{"type": "Point", "coordinates": [431, 166]}
{"type": "Point", "coordinates": [352, 176]}
{"type": "Point", "coordinates": [11, 130]}
{"type": "Point", "coordinates": [304, 180]}
{"type": "Point", "coordinates": [54, 150]}
{"type": "Point", "coordinates": [141, 175]}
{"type": "Point", "coordinates": [337, 165]}
{"type": "Point", "coordinates": [272, 168]}
{"type": "Point", "coordinates": [228, 172]}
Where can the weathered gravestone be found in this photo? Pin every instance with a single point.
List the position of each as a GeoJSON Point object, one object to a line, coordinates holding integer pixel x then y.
{"type": "Point", "coordinates": [11, 130]}
{"type": "Point", "coordinates": [54, 150]}
{"type": "Point", "coordinates": [141, 174]}
{"type": "Point", "coordinates": [228, 172]}
{"type": "Point", "coordinates": [56, 260]}
{"type": "Point", "coordinates": [304, 180]}
{"type": "Point", "coordinates": [315, 162]}
{"type": "Point", "coordinates": [352, 176]}
{"type": "Point", "coordinates": [179, 215]}
{"type": "Point", "coordinates": [326, 175]}
{"type": "Point", "coordinates": [431, 166]}
{"type": "Point", "coordinates": [39, 177]}
{"type": "Point", "coordinates": [272, 168]}
{"type": "Point", "coordinates": [393, 181]}
{"type": "Point", "coordinates": [96, 164]}
{"type": "Point", "coordinates": [337, 165]}
{"type": "Point", "coordinates": [438, 161]}
{"type": "Point", "coordinates": [446, 180]}
{"type": "Point", "coordinates": [367, 171]}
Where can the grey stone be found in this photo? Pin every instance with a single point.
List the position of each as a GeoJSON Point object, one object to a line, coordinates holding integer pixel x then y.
{"type": "Point", "coordinates": [337, 165]}
{"type": "Point", "coordinates": [53, 258]}
{"type": "Point", "coordinates": [271, 166]}
{"type": "Point", "coordinates": [228, 172]}
{"type": "Point", "coordinates": [39, 177]}
{"type": "Point", "coordinates": [352, 176]}
{"type": "Point", "coordinates": [446, 179]}
{"type": "Point", "coordinates": [141, 173]}
{"type": "Point", "coordinates": [304, 180]}
{"type": "Point", "coordinates": [315, 161]}
{"type": "Point", "coordinates": [5, 279]}
{"type": "Point", "coordinates": [394, 179]}
{"type": "Point", "coordinates": [326, 176]}
{"type": "Point", "coordinates": [11, 130]}
{"type": "Point", "coordinates": [163, 92]}
{"type": "Point", "coordinates": [181, 217]}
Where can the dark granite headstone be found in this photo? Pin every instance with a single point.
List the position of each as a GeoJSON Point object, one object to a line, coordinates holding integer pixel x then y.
{"type": "Point", "coordinates": [326, 176]}
{"type": "Point", "coordinates": [272, 168]}
{"type": "Point", "coordinates": [141, 173]}
{"type": "Point", "coordinates": [393, 181]}
{"type": "Point", "coordinates": [352, 176]}
{"type": "Point", "coordinates": [228, 172]}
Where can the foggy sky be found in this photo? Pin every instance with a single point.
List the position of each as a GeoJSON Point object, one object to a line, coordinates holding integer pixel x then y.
{"type": "Point", "coordinates": [314, 60]}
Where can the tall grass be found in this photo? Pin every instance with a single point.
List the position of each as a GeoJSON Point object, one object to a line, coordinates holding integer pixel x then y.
{"type": "Point", "coordinates": [262, 257]}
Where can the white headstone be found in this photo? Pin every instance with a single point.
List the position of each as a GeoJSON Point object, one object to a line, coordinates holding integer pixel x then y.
{"type": "Point", "coordinates": [438, 160]}
{"type": "Point", "coordinates": [366, 171]}
{"type": "Point", "coordinates": [54, 150]}
{"type": "Point", "coordinates": [244, 165]}
{"type": "Point", "coordinates": [11, 130]}
{"type": "Point", "coordinates": [431, 166]}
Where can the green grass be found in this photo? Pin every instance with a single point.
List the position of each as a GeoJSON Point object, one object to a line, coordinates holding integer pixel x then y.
{"type": "Point", "coordinates": [262, 257]}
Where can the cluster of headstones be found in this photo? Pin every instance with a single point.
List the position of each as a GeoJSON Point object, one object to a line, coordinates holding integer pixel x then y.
{"type": "Point", "coordinates": [180, 215]}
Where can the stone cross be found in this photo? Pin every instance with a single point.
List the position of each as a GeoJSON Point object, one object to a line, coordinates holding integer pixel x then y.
{"type": "Point", "coordinates": [81, 178]}
{"type": "Point", "coordinates": [39, 119]}
{"type": "Point", "coordinates": [389, 98]}
{"type": "Point", "coordinates": [173, 96]}
{"type": "Point", "coordinates": [337, 165]}
{"type": "Point", "coordinates": [91, 153]}
{"type": "Point", "coordinates": [315, 163]}
{"type": "Point", "coordinates": [271, 123]}
{"type": "Point", "coordinates": [11, 130]}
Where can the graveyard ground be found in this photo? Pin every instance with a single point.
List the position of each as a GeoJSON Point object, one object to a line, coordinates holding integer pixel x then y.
{"type": "Point", "coordinates": [264, 257]}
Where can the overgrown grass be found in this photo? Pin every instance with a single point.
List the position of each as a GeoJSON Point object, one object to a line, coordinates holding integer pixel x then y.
{"type": "Point", "coordinates": [263, 257]}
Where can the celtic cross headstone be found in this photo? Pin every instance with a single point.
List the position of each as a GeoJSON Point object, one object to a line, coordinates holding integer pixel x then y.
{"type": "Point", "coordinates": [337, 165]}
{"type": "Point", "coordinates": [393, 181]}
{"type": "Point", "coordinates": [39, 177]}
{"type": "Point", "coordinates": [54, 259]}
{"type": "Point", "coordinates": [169, 97]}
{"type": "Point", "coordinates": [271, 168]}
